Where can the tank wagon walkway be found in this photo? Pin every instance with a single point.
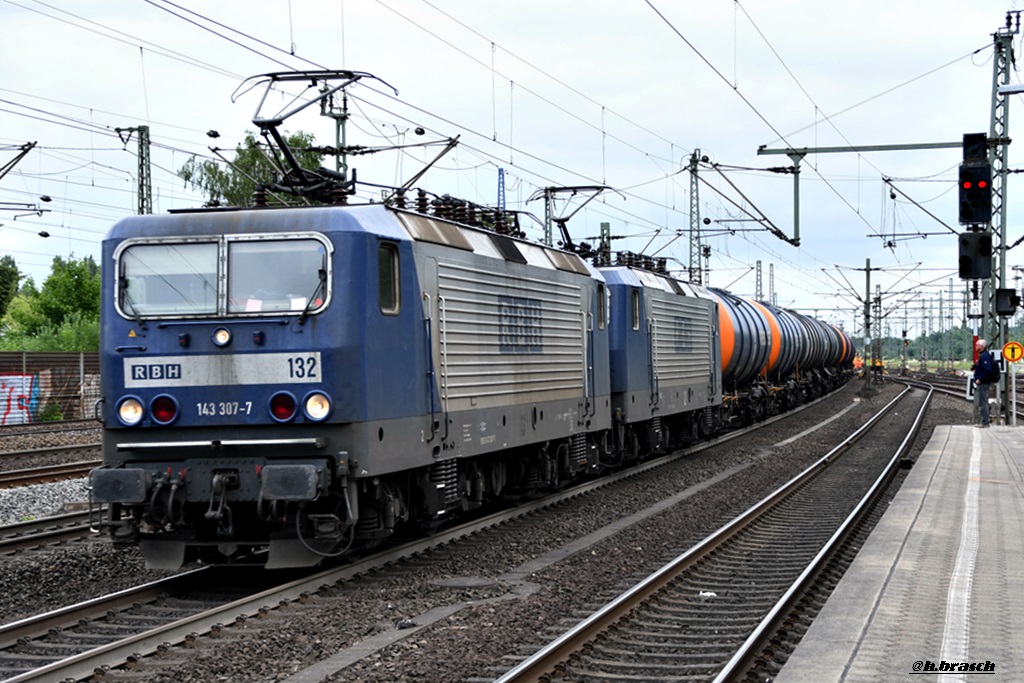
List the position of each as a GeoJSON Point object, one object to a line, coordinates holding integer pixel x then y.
{"type": "Point", "coordinates": [937, 592]}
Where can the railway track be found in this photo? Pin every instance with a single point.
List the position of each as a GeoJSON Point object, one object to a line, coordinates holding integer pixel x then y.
{"type": "Point", "coordinates": [44, 531]}
{"type": "Point", "coordinates": [40, 430]}
{"type": "Point", "coordinates": [708, 614]}
{"type": "Point", "coordinates": [73, 642]}
{"type": "Point", "coordinates": [48, 474]}
{"type": "Point", "coordinates": [30, 453]}
{"type": "Point", "coordinates": [956, 386]}
{"type": "Point", "coordinates": [47, 465]}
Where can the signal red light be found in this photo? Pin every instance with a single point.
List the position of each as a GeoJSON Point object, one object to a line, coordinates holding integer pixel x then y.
{"type": "Point", "coordinates": [967, 184]}
{"type": "Point", "coordinates": [982, 184]}
{"type": "Point", "coordinates": [282, 407]}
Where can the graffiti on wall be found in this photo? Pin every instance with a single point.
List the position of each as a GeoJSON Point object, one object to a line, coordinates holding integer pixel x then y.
{"type": "Point", "coordinates": [19, 398]}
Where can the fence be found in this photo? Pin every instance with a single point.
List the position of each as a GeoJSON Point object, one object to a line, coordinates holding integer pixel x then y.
{"type": "Point", "coordinates": [36, 387]}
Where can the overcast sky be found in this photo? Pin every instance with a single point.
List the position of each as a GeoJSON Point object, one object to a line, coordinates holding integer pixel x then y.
{"type": "Point", "coordinates": [565, 93]}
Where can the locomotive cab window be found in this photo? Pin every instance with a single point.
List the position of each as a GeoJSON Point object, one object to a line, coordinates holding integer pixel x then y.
{"type": "Point", "coordinates": [387, 278]}
{"type": "Point", "coordinates": [600, 306]}
{"type": "Point", "coordinates": [233, 276]}
{"type": "Point", "coordinates": [276, 275]}
{"type": "Point", "coordinates": [636, 309]}
{"type": "Point", "coordinates": [168, 279]}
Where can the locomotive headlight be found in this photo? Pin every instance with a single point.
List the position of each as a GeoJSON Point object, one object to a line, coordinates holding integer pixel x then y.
{"type": "Point", "coordinates": [130, 411]}
{"type": "Point", "coordinates": [222, 336]}
{"type": "Point", "coordinates": [317, 406]}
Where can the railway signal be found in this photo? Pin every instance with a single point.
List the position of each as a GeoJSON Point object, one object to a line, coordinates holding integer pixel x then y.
{"type": "Point", "coordinates": [1007, 301]}
{"type": "Point", "coordinates": [975, 255]}
{"type": "Point", "coordinates": [975, 192]}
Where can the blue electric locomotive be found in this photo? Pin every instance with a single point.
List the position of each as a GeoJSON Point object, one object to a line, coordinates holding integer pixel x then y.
{"type": "Point", "coordinates": [303, 380]}
{"type": "Point", "coordinates": [665, 368]}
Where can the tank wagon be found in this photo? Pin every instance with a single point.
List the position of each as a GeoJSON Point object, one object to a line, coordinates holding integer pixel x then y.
{"type": "Point", "coordinates": [774, 359]}
{"type": "Point", "coordinates": [306, 380]}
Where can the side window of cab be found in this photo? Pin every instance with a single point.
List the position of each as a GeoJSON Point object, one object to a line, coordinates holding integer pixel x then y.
{"type": "Point", "coordinates": [388, 278]}
{"type": "Point", "coordinates": [636, 308]}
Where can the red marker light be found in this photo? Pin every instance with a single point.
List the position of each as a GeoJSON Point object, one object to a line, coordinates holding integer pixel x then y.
{"type": "Point", "coordinates": [163, 410]}
{"type": "Point", "coordinates": [282, 407]}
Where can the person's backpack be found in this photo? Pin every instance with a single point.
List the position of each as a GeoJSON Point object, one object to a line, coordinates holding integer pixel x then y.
{"type": "Point", "coordinates": [993, 375]}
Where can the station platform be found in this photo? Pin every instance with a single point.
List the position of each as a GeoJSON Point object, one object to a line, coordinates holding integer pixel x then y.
{"type": "Point", "coordinates": [937, 591]}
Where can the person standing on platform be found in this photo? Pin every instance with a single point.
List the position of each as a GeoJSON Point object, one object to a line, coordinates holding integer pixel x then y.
{"type": "Point", "coordinates": [983, 370]}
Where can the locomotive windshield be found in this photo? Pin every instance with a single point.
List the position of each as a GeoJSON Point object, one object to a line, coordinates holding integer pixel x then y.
{"type": "Point", "coordinates": [232, 276]}
{"type": "Point", "coordinates": [169, 279]}
{"type": "Point", "coordinates": [279, 275]}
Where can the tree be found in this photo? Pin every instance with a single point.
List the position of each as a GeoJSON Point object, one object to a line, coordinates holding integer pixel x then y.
{"type": "Point", "coordinates": [77, 333]}
{"type": "Point", "coordinates": [253, 159]}
{"type": "Point", "coordinates": [73, 286]}
{"type": "Point", "coordinates": [9, 277]}
{"type": "Point", "coordinates": [61, 316]}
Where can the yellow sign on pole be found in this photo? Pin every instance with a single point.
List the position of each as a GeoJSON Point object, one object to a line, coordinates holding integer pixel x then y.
{"type": "Point", "coordinates": [1013, 351]}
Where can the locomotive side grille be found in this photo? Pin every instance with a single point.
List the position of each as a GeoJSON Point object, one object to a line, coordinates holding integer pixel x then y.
{"type": "Point", "coordinates": [682, 338]}
{"type": "Point", "coordinates": [507, 337]}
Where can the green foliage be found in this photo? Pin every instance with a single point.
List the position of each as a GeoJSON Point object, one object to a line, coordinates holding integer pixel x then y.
{"type": "Point", "coordinates": [72, 287]}
{"type": "Point", "coordinates": [77, 333]}
{"type": "Point", "coordinates": [224, 185]}
{"type": "Point", "coordinates": [22, 317]}
{"type": "Point", "coordinates": [28, 287]}
{"type": "Point", "coordinates": [955, 344]}
{"type": "Point", "coordinates": [63, 315]}
{"type": "Point", "coordinates": [51, 413]}
{"type": "Point", "coordinates": [9, 277]}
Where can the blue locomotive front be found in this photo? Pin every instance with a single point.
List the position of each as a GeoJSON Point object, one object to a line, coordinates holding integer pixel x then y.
{"type": "Point", "coordinates": [305, 380]}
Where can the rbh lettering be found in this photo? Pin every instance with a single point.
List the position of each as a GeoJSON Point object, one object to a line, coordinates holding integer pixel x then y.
{"type": "Point", "coordinates": [156, 371]}
{"type": "Point", "coordinates": [520, 325]}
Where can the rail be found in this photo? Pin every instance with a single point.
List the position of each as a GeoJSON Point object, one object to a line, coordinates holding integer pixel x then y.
{"type": "Point", "coordinates": [563, 651]}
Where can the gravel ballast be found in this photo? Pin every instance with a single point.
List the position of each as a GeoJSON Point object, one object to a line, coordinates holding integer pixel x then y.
{"type": "Point", "coordinates": [490, 619]}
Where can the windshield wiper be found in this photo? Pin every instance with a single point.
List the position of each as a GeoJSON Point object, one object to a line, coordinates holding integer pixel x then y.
{"type": "Point", "coordinates": [321, 287]}
{"type": "Point", "coordinates": [131, 302]}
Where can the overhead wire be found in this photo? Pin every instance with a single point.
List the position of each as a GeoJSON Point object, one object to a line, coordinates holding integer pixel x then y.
{"type": "Point", "coordinates": [510, 147]}
{"type": "Point", "coordinates": [494, 158]}
{"type": "Point", "coordinates": [167, 2]}
{"type": "Point", "coordinates": [762, 117]}
{"type": "Point", "coordinates": [557, 80]}
{"type": "Point", "coordinates": [887, 91]}
{"type": "Point", "coordinates": [128, 39]}
{"type": "Point", "coordinates": [219, 35]}
{"type": "Point", "coordinates": [750, 105]}
{"type": "Point", "coordinates": [531, 91]}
